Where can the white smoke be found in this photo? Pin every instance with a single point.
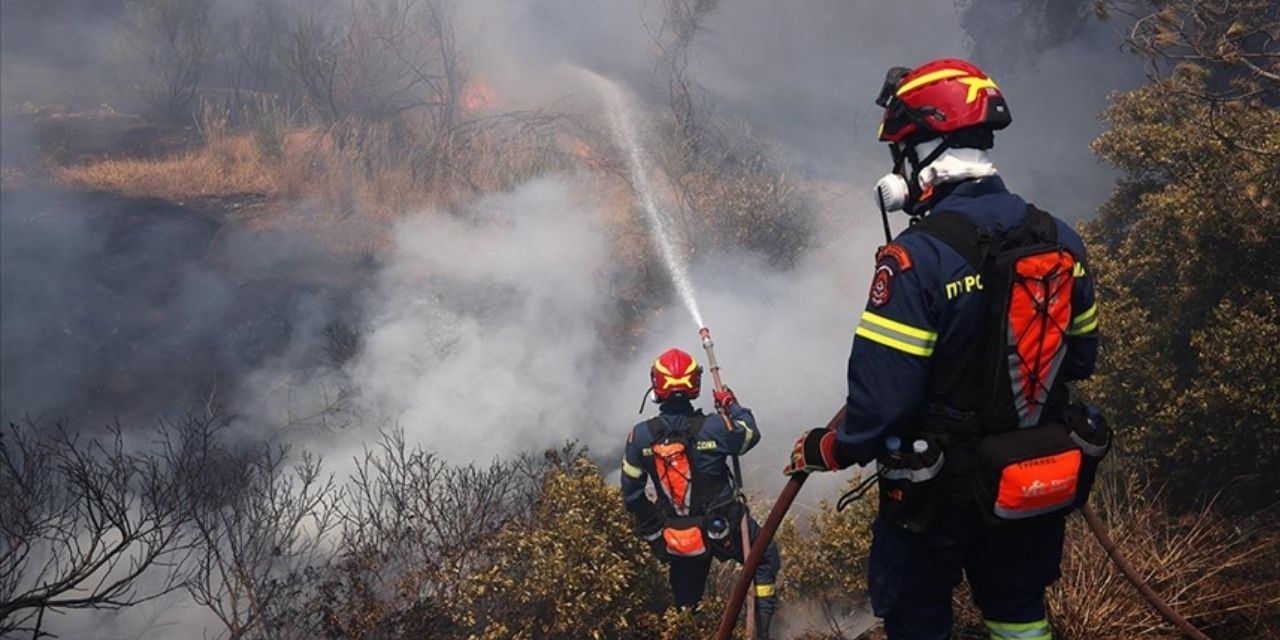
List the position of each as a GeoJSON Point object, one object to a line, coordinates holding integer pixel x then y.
{"type": "Point", "coordinates": [480, 334]}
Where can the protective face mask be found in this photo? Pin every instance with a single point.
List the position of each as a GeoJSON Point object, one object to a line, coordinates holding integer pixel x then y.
{"type": "Point", "coordinates": [892, 192]}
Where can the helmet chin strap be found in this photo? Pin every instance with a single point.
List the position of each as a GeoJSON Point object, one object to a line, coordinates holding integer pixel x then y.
{"type": "Point", "coordinates": [916, 193]}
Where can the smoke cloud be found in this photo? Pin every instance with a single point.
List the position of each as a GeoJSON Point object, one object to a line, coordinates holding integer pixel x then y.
{"type": "Point", "coordinates": [491, 331]}
{"type": "Point", "coordinates": [481, 331]}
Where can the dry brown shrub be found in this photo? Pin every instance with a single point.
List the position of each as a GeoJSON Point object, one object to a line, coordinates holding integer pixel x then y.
{"type": "Point", "coordinates": [1205, 566]}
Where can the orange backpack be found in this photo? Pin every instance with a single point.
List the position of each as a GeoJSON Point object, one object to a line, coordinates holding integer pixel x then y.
{"type": "Point", "coordinates": [1016, 463]}
{"type": "Point", "coordinates": [680, 482]}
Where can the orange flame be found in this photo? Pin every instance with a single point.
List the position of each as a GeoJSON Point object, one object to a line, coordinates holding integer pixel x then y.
{"type": "Point", "coordinates": [579, 149]}
{"type": "Point", "coordinates": [477, 95]}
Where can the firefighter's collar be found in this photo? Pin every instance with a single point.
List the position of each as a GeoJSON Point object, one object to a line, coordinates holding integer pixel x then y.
{"type": "Point", "coordinates": [677, 407]}
{"type": "Point", "coordinates": [979, 187]}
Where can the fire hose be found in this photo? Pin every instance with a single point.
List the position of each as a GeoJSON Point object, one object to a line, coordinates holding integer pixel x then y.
{"type": "Point", "coordinates": [746, 579]}
{"type": "Point", "coordinates": [767, 530]}
{"type": "Point", "coordinates": [788, 495]}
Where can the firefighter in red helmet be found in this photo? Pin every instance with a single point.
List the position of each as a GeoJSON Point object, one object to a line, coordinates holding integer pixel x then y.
{"type": "Point", "coordinates": [978, 317]}
{"type": "Point", "coordinates": [697, 515]}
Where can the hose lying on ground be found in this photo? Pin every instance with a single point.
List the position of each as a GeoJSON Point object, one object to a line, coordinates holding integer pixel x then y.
{"type": "Point", "coordinates": [788, 495]}
{"type": "Point", "coordinates": [1109, 545]}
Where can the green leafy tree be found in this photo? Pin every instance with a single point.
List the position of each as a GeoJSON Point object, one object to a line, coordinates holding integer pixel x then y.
{"type": "Point", "coordinates": [575, 571]}
{"type": "Point", "coordinates": [1187, 251]}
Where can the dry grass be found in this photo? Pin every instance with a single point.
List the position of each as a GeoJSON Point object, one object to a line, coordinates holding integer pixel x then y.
{"type": "Point", "coordinates": [1216, 573]}
{"type": "Point", "coordinates": [381, 168]}
{"type": "Point", "coordinates": [232, 165]}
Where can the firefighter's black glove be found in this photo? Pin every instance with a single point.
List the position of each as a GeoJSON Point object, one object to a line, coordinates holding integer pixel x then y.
{"type": "Point", "coordinates": [814, 451]}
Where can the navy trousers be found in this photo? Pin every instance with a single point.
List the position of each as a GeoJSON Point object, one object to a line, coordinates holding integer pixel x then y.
{"type": "Point", "coordinates": [1008, 567]}
{"type": "Point", "coordinates": [688, 576]}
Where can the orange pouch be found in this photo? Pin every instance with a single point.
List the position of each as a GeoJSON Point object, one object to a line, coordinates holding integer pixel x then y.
{"type": "Point", "coordinates": [1027, 472]}
{"type": "Point", "coordinates": [684, 537]}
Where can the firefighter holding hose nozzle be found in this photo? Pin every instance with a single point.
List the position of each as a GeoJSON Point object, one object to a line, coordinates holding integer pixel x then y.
{"type": "Point", "coordinates": [979, 316]}
{"type": "Point", "coordinates": [697, 515]}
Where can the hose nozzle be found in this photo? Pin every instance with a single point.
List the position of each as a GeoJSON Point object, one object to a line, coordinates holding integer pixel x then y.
{"type": "Point", "coordinates": [706, 338]}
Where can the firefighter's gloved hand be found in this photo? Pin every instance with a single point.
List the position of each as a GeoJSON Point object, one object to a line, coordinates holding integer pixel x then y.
{"type": "Point", "coordinates": [814, 451]}
{"type": "Point", "coordinates": [725, 398]}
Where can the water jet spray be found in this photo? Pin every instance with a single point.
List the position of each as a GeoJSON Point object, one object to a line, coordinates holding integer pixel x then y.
{"type": "Point", "coordinates": [621, 123]}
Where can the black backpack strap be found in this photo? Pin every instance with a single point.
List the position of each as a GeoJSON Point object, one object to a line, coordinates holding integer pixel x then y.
{"type": "Point", "coordinates": [1039, 225]}
{"type": "Point", "coordinates": [968, 239]}
{"type": "Point", "coordinates": [657, 428]}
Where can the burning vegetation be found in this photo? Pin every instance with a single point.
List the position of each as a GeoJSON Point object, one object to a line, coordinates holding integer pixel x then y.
{"type": "Point", "coordinates": [338, 121]}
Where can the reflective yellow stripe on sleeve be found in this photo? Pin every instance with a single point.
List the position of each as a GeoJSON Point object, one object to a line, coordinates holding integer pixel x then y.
{"type": "Point", "coordinates": [749, 436]}
{"type": "Point", "coordinates": [631, 470]}
{"type": "Point", "coordinates": [896, 335]}
{"type": "Point", "coordinates": [1085, 322]}
{"type": "Point", "coordinates": [765, 590]}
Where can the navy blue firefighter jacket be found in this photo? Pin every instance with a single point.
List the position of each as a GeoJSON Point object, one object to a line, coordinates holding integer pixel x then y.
{"type": "Point", "coordinates": [713, 444]}
{"type": "Point", "coordinates": [925, 303]}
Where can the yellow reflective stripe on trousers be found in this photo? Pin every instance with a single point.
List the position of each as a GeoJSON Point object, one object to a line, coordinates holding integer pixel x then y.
{"type": "Point", "coordinates": [765, 590]}
{"type": "Point", "coordinates": [631, 470]}
{"type": "Point", "coordinates": [1038, 630]}
{"type": "Point", "coordinates": [1085, 322]}
{"type": "Point", "coordinates": [896, 335]}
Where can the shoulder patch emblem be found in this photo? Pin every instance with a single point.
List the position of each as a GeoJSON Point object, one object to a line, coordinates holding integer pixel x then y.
{"type": "Point", "coordinates": [880, 285]}
{"type": "Point", "coordinates": [897, 253]}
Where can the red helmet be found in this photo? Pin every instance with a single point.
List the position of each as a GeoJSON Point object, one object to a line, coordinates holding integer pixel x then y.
{"type": "Point", "coordinates": [675, 375]}
{"type": "Point", "coordinates": [941, 98]}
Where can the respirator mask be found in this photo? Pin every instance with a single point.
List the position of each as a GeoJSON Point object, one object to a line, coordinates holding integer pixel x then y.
{"type": "Point", "coordinates": [900, 189]}
{"type": "Point", "coordinates": [893, 192]}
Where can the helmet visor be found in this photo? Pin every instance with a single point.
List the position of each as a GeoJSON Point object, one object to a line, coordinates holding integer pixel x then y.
{"type": "Point", "coordinates": [892, 82]}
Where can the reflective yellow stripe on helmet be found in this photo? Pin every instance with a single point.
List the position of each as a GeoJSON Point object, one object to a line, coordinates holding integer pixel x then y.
{"type": "Point", "coordinates": [977, 84]}
{"type": "Point", "coordinates": [896, 335]}
{"type": "Point", "coordinates": [672, 381]}
{"type": "Point", "coordinates": [941, 74]}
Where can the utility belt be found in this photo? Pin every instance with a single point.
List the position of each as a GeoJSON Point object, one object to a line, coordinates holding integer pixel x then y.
{"type": "Point", "coordinates": [693, 535]}
{"type": "Point", "coordinates": [948, 459]}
